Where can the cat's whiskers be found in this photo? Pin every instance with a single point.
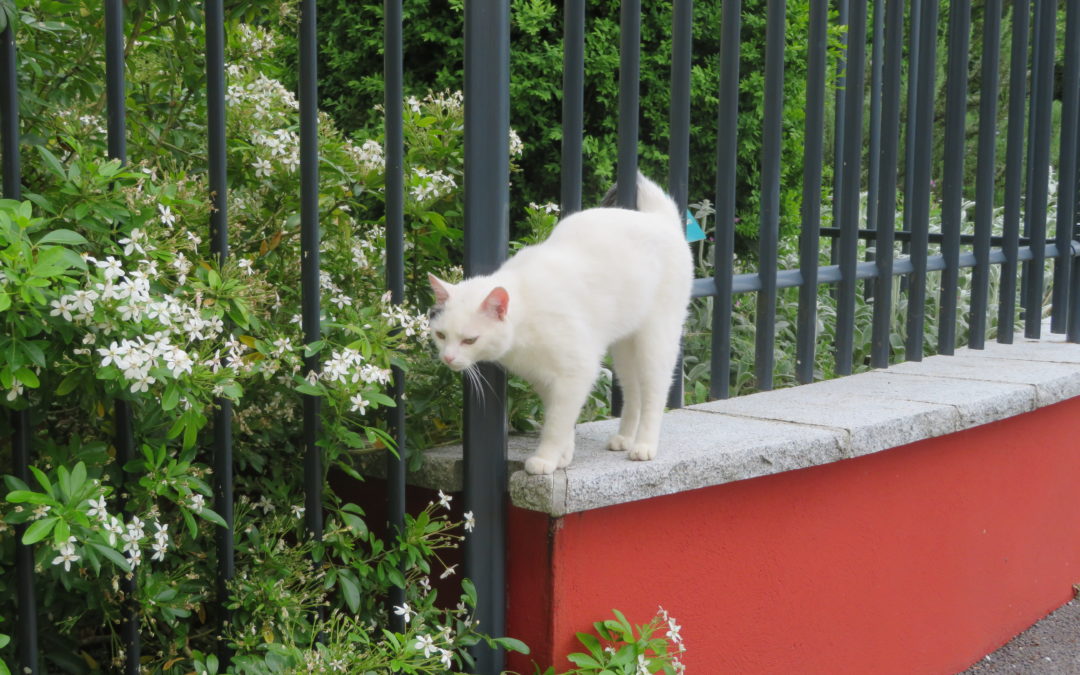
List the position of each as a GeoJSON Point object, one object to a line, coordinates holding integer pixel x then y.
{"type": "Point", "coordinates": [478, 380]}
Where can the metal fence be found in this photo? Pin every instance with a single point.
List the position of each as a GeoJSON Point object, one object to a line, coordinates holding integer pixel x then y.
{"type": "Point", "coordinates": [901, 37]}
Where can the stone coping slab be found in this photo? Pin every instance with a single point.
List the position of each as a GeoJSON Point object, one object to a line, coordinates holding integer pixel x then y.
{"type": "Point", "coordinates": [770, 432]}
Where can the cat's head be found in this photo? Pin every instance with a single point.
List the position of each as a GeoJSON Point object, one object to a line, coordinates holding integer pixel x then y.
{"type": "Point", "coordinates": [469, 321]}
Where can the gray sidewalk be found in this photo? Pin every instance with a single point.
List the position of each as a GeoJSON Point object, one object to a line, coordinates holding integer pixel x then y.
{"type": "Point", "coordinates": [1050, 647]}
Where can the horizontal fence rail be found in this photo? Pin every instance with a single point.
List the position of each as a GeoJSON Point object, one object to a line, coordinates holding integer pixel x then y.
{"type": "Point", "coordinates": [884, 72]}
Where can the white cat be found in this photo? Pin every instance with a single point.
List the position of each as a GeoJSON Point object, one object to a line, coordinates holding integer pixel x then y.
{"type": "Point", "coordinates": [605, 278]}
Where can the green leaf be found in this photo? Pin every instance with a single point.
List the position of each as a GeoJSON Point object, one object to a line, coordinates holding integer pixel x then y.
{"type": "Point", "coordinates": [112, 554]}
{"type": "Point", "coordinates": [189, 520]}
{"type": "Point", "coordinates": [62, 236]}
{"type": "Point", "coordinates": [38, 530]}
{"type": "Point", "coordinates": [512, 644]}
{"type": "Point", "coordinates": [30, 497]}
{"type": "Point", "coordinates": [68, 384]}
{"type": "Point", "coordinates": [351, 590]}
{"type": "Point", "coordinates": [212, 516]}
{"type": "Point", "coordinates": [583, 660]}
{"type": "Point", "coordinates": [591, 642]}
{"type": "Point", "coordinates": [171, 397]}
{"type": "Point", "coordinates": [61, 532]}
{"type": "Point", "coordinates": [356, 524]}
{"type": "Point", "coordinates": [51, 162]}
{"type": "Point", "coordinates": [78, 477]}
{"type": "Point", "coordinates": [42, 479]}
{"type": "Point", "coordinates": [28, 377]}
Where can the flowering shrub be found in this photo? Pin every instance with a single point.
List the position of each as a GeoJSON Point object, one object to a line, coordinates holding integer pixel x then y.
{"type": "Point", "coordinates": [622, 649]}
{"type": "Point", "coordinates": [110, 298]}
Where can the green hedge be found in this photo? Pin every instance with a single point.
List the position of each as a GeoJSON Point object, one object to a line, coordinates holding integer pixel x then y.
{"type": "Point", "coordinates": [351, 89]}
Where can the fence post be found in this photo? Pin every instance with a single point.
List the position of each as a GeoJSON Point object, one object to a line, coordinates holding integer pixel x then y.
{"type": "Point", "coordinates": [395, 270]}
{"type": "Point", "coordinates": [573, 106]}
{"type": "Point", "coordinates": [309, 261]}
{"type": "Point", "coordinates": [487, 232]}
{"type": "Point", "coordinates": [1066, 197]}
{"type": "Point", "coordinates": [682, 43]}
{"type": "Point", "coordinates": [727, 124]}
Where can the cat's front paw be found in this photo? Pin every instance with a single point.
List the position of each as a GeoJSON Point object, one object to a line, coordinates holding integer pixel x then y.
{"type": "Point", "coordinates": [642, 452]}
{"type": "Point", "coordinates": [537, 465]}
{"type": "Point", "coordinates": [618, 442]}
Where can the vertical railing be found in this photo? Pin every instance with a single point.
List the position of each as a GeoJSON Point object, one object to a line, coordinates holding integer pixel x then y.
{"type": "Point", "coordinates": [219, 248]}
{"type": "Point", "coordinates": [813, 155]}
{"type": "Point", "coordinates": [769, 230]}
{"type": "Point", "coordinates": [1070, 157]}
{"type": "Point", "coordinates": [1014, 153]}
{"type": "Point", "coordinates": [1042, 77]}
{"type": "Point", "coordinates": [984, 179]}
{"type": "Point", "coordinates": [953, 171]}
{"type": "Point", "coordinates": [309, 261]}
{"type": "Point", "coordinates": [487, 232]}
{"type": "Point", "coordinates": [116, 109]}
{"type": "Point", "coordinates": [885, 222]}
{"type": "Point", "coordinates": [919, 134]}
{"type": "Point", "coordinates": [682, 43]}
{"type": "Point", "coordinates": [26, 635]}
{"type": "Point", "coordinates": [573, 106]}
{"type": "Point", "coordinates": [395, 269]}
{"type": "Point", "coordinates": [727, 125]}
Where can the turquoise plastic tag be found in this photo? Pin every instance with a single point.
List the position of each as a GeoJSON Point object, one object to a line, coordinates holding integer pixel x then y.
{"type": "Point", "coordinates": [693, 228]}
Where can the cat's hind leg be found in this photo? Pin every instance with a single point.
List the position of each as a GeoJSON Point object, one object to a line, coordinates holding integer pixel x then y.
{"type": "Point", "coordinates": [623, 355]}
{"type": "Point", "coordinates": [657, 348]}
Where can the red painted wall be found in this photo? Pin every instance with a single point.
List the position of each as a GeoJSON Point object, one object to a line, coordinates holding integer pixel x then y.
{"type": "Point", "coordinates": [919, 559]}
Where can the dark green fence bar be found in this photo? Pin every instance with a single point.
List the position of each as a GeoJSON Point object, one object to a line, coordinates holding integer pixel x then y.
{"type": "Point", "coordinates": [629, 103]}
{"type": "Point", "coordinates": [116, 124]}
{"type": "Point", "coordinates": [843, 8]}
{"type": "Point", "coordinates": [573, 106]}
{"type": "Point", "coordinates": [487, 233]}
{"type": "Point", "coordinates": [769, 230]}
{"type": "Point", "coordinates": [892, 55]}
{"type": "Point", "coordinates": [1014, 154]}
{"type": "Point", "coordinates": [629, 96]}
{"type": "Point", "coordinates": [1042, 77]}
{"type": "Point", "coordinates": [920, 195]}
{"type": "Point", "coordinates": [727, 148]}
{"type": "Point", "coordinates": [309, 260]}
{"type": "Point", "coordinates": [953, 170]}
{"type": "Point", "coordinates": [26, 635]}
{"type": "Point", "coordinates": [984, 178]}
{"type": "Point", "coordinates": [219, 246]}
{"type": "Point", "coordinates": [873, 159]}
{"type": "Point", "coordinates": [911, 110]}
{"type": "Point", "coordinates": [394, 152]}
{"type": "Point", "coordinates": [682, 43]}
{"type": "Point", "coordinates": [851, 177]}
{"type": "Point", "coordinates": [1066, 197]}
{"type": "Point", "coordinates": [813, 156]}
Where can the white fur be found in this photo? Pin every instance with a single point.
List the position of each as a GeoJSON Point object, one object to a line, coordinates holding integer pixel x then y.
{"type": "Point", "coordinates": [605, 279]}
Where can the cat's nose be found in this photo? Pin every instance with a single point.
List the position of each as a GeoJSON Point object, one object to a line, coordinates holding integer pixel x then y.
{"type": "Point", "coordinates": [448, 359]}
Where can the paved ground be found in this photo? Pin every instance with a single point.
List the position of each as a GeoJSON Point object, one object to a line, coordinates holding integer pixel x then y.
{"type": "Point", "coordinates": [1050, 647]}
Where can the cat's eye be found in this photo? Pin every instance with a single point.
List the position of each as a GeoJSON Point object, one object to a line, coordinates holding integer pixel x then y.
{"type": "Point", "coordinates": [469, 341]}
{"type": "Point", "coordinates": [441, 335]}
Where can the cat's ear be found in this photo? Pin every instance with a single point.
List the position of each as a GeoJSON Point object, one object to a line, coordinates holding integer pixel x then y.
{"type": "Point", "coordinates": [496, 303]}
{"type": "Point", "coordinates": [440, 287]}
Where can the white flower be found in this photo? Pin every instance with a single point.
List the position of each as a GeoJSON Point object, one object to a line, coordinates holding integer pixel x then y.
{"type": "Point", "coordinates": [113, 529]}
{"type": "Point", "coordinates": [425, 584]}
{"type": "Point", "coordinates": [159, 550]}
{"type": "Point", "coordinates": [167, 216]}
{"type": "Point", "coordinates": [445, 657]}
{"type": "Point", "coordinates": [642, 665]}
{"type": "Point", "coordinates": [97, 508]}
{"type": "Point", "coordinates": [342, 301]}
{"type": "Point", "coordinates": [449, 571]}
{"type": "Point", "coordinates": [263, 167]}
{"type": "Point", "coordinates": [61, 307]}
{"type": "Point", "coordinates": [179, 362]}
{"type": "Point", "coordinates": [673, 632]}
{"type": "Point", "coordinates": [404, 611]}
{"type": "Point", "coordinates": [245, 265]}
{"type": "Point", "coordinates": [470, 522]}
{"type": "Point", "coordinates": [112, 268]}
{"type": "Point", "coordinates": [197, 503]}
{"type": "Point", "coordinates": [425, 643]}
{"type": "Point", "coordinates": [15, 391]}
{"type": "Point", "coordinates": [115, 354]}
{"type": "Point", "coordinates": [67, 556]}
{"type": "Point", "coordinates": [359, 405]}
{"type": "Point", "coordinates": [265, 504]}
{"type": "Point", "coordinates": [134, 557]}
{"type": "Point", "coordinates": [142, 383]}
{"type": "Point", "coordinates": [298, 511]}
{"type": "Point", "coordinates": [444, 500]}
{"type": "Point", "coordinates": [40, 511]}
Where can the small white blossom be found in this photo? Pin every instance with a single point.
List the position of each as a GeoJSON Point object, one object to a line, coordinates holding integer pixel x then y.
{"type": "Point", "coordinates": [298, 511]}
{"type": "Point", "coordinates": [470, 522]}
{"type": "Point", "coordinates": [444, 500]}
{"type": "Point", "coordinates": [97, 508]}
{"type": "Point", "coordinates": [359, 405]}
{"type": "Point", "coordinates": [67, 555]}
{"type": "Point", "coordinates": [425, 643]}
{"type": "Point", "coordinates": [404, 611]}
{"type": "Point", "coordinates": [197, 503]}
{"type": "Point", "coordinates": [168, 218]}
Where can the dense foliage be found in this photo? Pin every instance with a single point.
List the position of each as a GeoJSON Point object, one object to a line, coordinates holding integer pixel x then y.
{"type": "Point", "coordinates": [110, 297]}
{"type": "Point", "coordinates": [351, 85]}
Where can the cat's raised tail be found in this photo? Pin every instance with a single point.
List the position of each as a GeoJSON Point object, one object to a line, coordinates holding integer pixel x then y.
{"type": "Point", "coordinates": [651, 198]}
